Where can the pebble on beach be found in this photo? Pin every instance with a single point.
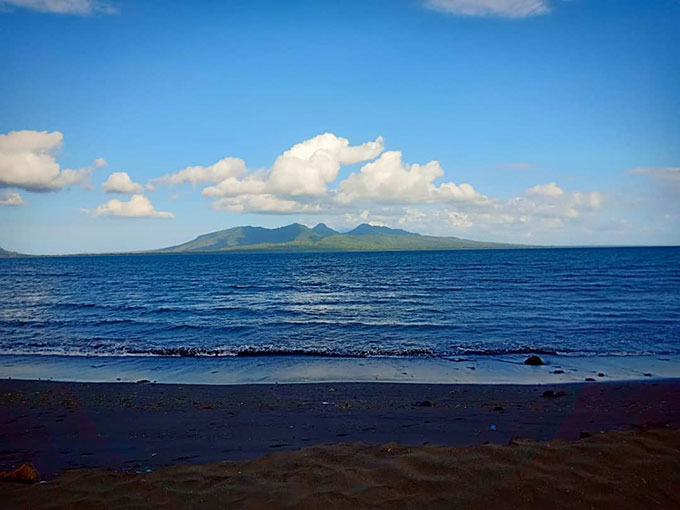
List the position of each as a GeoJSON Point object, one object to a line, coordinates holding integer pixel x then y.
{"type": "Point", "coordinates": [553, 394]}
{"type": "Point", "coordinates": [25, 473]}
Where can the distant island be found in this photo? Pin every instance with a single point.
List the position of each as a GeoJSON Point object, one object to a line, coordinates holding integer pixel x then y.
{"type": "Point", "coordinates": [298, 237]}
{"type": "Point", "coordinates": [4, 254]}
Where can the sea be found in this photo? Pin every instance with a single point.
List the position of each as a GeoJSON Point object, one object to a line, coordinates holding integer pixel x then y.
{"type": "Point", "coordinates": [446, 306]}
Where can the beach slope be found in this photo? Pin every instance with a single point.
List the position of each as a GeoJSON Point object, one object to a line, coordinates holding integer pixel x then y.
{"type": "Point", "coordinates": [609, 445]}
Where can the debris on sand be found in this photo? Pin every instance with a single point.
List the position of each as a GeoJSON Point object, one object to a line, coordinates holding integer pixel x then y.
{"type": "Point", "coordinates": [25, 473]}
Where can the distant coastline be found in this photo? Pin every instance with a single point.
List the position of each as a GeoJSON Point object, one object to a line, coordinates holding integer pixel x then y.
{"type": "Point", "coordinates": [297, 238]}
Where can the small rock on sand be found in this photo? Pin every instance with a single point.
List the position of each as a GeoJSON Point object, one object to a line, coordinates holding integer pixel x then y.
{"type": "Point", "coordinates": [423, 403]}
{"type": "Point", "coordinates": [533, 361]}
{"type": "Point", "coordinates": [558, 371]}
{"type": "Point", "coordinates": [590, 379]}
{"type": "Point", "coordinates": [25, 473]}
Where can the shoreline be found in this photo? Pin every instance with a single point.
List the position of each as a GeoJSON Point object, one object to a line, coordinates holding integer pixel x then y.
{"type": "Point", "coordinates": [16, 255]}
{"type": "Point", "coordinates": [137, 427]}
{"type": "Point", "coordinates": [293, 369]}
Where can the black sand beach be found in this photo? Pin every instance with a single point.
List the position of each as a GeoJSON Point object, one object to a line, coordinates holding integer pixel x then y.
{"type": "Point", "coordinates": [613, 470]}
{"type": "Point", "coordinates": [139, 427]}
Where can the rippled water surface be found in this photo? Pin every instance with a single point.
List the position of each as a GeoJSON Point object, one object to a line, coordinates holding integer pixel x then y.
{"type": "Point", "coordinates": [570, 301]}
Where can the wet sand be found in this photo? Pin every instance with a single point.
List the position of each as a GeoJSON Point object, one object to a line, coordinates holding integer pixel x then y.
{"type": "Point", "coordinates": [158, 431]}
{"type": "Point", "coordinates": [222, 370]}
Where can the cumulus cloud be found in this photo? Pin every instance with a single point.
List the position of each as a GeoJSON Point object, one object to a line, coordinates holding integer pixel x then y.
{"type": "Point", "coordinates": [548, 190]}
{"type": "Point", "coordinates": [11, 199]}
{"type": "Point", "coordinates": [523, 215]}
{"type": "Point", "coordinates": [389, 179]}
{"type": "Point", "coordinates": [77, 7]}
{"type": "Point", "coordinates": [549, 201]}
{"type": "Point", "coordinates": [500, 8]}
{"type": "Point", "coordinates": [385, 190]}
{"type": "Point", "coordinates": [458, 219]}
{"type": "Point", "coordinates": [299, 175]}
{"type": "Point", "coordinates": [671, 174]}
{"type": "Point", "coordinates": [28, 161]}
{"type": "Point", "coordinates": [305, 169]}
{"type": "Point", "coordinates": [120, 182]}
{"type": "Point", "coordinates": [267, 204]}
{"type": "Point", "coordinates": [138, 206]}
{"type": "Point", "coordinates": [223, 169]}
{"type": "Point", "coordinates": [308, 167]}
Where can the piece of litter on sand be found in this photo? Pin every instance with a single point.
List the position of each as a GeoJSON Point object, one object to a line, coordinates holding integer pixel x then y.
{"type": "Point", "coordinates": [492, 427]}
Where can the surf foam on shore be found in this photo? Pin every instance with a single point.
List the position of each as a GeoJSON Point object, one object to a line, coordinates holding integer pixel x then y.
{"type": "Point", "coordinates": [476, 369]}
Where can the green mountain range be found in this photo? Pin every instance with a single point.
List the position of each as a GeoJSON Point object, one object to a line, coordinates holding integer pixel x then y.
{"type": "Point", "coordinates": [298, 237]}
{"type": "Point", "coordinates": [4, 254]}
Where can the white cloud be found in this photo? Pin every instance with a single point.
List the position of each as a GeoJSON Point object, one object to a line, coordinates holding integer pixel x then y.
{"type": "Point", "coordinates": [525, 214]}
{"type": "Point", "coordinates": [459, 219]}
{"type": "Point", "coordinates": [549, 190]}
{"type": "Point", "coordinates": [385, 190]}
{"type": "Point", "coordinates": [552, 203]}
{"type": "Point", "coordinates": [139, 206]}
{"type": "Point", "coordinates": [297, 176]}
{"type": "Point", "coordinates": [28, 161]}
{"type": "Point", "coordinates": [671, 174]}
{"type": "Point", "coordinates": [264, 204]}
{"type": "Point", "coordinates": [500, 8]}
{"type": "Point", "coordinates": [389, 180]}
{"type": "Point", "coordinates": [11, 199]}
{"type": "Point", "coordinates": [120, 182]}
{"type": "Point", "coordinates": [77, 7]}
{"type": "Point", "coordinates": [223, 169]}
{"type": "Point", "coordinates": [308, 167]}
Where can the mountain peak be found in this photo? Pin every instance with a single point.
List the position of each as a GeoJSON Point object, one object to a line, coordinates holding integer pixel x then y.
{"type": "Point", "coordinates": [366, 229]}
{"type": "Point", "coordinates": [8, 254]}
{"type": "Point", "coordinates": [297, 237]}
{"type": "Point", "coordinates": [324, 230]}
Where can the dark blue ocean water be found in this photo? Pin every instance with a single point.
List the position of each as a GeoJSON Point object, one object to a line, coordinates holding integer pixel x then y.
{"type": "Point", "coordinates": [565, 301]}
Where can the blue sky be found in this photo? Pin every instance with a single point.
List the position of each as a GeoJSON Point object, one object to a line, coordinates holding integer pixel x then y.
{"type": "Point", "coordinates": [547, 121]}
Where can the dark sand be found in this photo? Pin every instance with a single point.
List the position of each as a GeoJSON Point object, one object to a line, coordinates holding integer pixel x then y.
{"type": "Point", "coordinates": [617, 470]}
{"type": "Point", "coordinates": [140, 427]}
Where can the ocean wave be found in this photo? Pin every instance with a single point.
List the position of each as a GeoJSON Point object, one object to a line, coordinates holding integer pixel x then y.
{"type": "Point", "coordinates": [476, 351]}
{"type": "Point", "coordinates": [272, 351]}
